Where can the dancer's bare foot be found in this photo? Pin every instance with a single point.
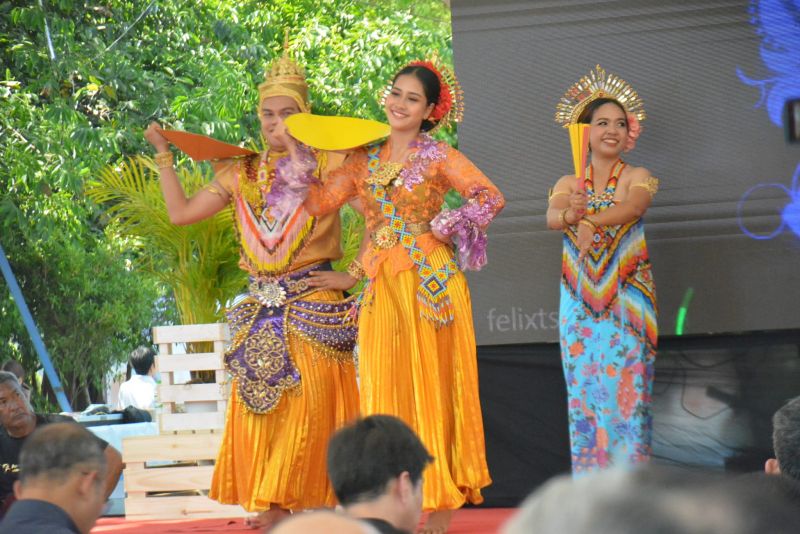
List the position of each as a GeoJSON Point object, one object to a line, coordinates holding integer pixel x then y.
{"type": "Point", "coordinates": [438, 522]}
{"type": "Point", "coordinates": [267, 519]}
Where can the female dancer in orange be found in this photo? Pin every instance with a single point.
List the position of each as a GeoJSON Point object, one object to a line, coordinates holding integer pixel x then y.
{"type": "Point", "coordinates": [417, 356]}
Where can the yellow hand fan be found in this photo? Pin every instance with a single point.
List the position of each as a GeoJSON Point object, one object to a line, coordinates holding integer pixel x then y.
{"type": "Point", "coordinates": [579, 141]}
{"type": "Point", "coordinates": [334, 133]}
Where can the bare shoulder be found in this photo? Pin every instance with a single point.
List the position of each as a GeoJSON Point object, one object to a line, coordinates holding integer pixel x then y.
{"type": "Point", "coordinates": [635, 174]}
{"type": "Point", "coordinates": [568, 183]}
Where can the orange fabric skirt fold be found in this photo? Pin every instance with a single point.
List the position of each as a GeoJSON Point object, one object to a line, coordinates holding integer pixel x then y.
{"type": "Point", "coordinates": [428, 378]}
{"type": "Point", "coordinates": [279, 458]}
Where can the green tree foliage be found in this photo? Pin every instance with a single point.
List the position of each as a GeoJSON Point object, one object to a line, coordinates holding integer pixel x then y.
{"type": "Point", "coordinates": [114, 67]}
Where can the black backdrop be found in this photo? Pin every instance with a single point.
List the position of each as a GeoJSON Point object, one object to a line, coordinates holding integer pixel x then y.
{"type": "Point", "coordinates": [713, 400]}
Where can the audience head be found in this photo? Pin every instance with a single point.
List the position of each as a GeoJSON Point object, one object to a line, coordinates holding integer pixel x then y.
{"type": "Point", "coordinates": [14, 367]}
{"type": "Point", "coordinates": [378, 462]}
{"type": "Point", "coordinates": [786, 441]}
{"type": "Point", "coordinates": [653, 500]}
{"type": "Point", "coordinates": [16, 413]}
{"type": "Point", "coordinates": [63, 463]}
{"type": "Point", "coordinates": [327, 522]}
{"type": "Point", "coordinates": [142, 360]}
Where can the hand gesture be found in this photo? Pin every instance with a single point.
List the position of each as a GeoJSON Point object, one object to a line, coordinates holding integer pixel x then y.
{"type": "Point", "coordinates": [331, 280]}
{"type": "Point", "coordinates": [577, 202]}
{"type": "Point", "coordinates": [280, 135]}
{"type": "Point", "coordinates": [154, 137]}
{"type": "Point", "coordinates": [585, 238]}
{"type": "Point", "coordinates": [441, 237]}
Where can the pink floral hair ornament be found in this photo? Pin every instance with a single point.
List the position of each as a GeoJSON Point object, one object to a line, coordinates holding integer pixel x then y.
{"type": "Point", "coordinates": [634, 131]}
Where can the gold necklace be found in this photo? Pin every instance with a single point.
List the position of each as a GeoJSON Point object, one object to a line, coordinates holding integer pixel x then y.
{"type": "Point", "coordinates": [389, 171]}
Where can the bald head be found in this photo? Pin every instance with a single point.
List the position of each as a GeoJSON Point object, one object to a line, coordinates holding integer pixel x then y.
{"type": "Point", "coordinates": [327, 522]}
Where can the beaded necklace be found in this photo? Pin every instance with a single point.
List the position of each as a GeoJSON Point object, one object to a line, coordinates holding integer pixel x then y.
{"type": "Point", "coordinates": [256, 185]}
{"type": "Point", "coordinates": [606, 198]}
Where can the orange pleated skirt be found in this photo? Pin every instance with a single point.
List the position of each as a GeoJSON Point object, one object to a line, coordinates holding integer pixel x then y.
{"type": "Point", "coordinates": [279, 458]}
{"type": "Point", "coordinates": [429, 379]}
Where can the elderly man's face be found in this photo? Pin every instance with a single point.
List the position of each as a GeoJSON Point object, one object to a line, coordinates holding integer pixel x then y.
{"type": "Point", "coordinates": [16, 414]}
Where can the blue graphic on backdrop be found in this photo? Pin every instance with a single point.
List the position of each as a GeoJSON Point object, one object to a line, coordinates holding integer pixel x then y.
{"type": "Point", "coordinates": [790, 214]}
{"type": "Point", "coordinates": [778, 24]}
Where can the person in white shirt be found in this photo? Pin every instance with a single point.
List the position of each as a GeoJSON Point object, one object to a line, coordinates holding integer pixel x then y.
{"type": "Point", "coordinates": [140, 390]}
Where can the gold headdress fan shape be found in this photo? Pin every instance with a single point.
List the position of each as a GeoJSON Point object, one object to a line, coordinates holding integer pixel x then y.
{"type": "Point", "coordinates": [597, 84]}
{"type": "Point", "coordinates": [456, 113]}
{"type": "Point", "coordinates": [284, 77]}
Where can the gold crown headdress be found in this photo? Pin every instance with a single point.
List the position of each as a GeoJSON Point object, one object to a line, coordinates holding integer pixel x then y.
{"type": "Point", "coordinates": [450, 107]}
{"type": "Point", "coordinates": [284, 77]}
{"type": "Point", "coordinates": [596, 85]}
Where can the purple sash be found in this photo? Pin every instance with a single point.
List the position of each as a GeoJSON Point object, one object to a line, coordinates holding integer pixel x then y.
{"type": "Point", "coordinates": [259, 358]}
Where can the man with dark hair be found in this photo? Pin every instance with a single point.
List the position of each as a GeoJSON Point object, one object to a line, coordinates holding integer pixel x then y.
{"type": "Point", "coordinates": [61, 482]}
{"type": "Point", "coordinates": [18, 421]}
{"type": "Point", "coordinates": [140, 390]}
{"type": "Point", "coordinates": [375, 466]}
{"type": "Point", "coordinates": [786, 441]}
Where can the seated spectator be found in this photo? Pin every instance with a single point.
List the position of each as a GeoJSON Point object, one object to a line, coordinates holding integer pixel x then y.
{"type": "Point", "coordinates": [648, 499]}
{"type": "Point", "coordinates": [786, 441]}
{"type": "Point", "coordinates": [62, 472]}
{"type": "Point", "coordinates": [322, 523]}
{"type": "Point", "coordinates": [15, 368]}
{"type": "Point", "coordinates": [140, 390]}
{"type": "Point", "coordinates": [18, 422]}
{"type": "Point", "coordinates": [375, 466]}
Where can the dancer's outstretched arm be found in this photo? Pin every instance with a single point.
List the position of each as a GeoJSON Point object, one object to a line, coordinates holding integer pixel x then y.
{"type": "Point", "coordinates": [183, 210]}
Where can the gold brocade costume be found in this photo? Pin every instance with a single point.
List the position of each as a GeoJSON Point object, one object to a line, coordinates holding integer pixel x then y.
{"type": "Point", "coordinates": [279, 457]}
{"type": "Point", "coordinates": [276, 457]}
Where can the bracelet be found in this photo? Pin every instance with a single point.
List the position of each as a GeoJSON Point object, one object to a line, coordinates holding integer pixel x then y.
{"type": "Point", "coordinates": [562, 218]}
{"type": "Point", "coordinates": [551, 194]}
{"type": "Point", "coordinates": [356, 270]}
{"type": "Point", "coordinates": [163, 159]}
{"type": "Point", "coordinates": [586, 221]}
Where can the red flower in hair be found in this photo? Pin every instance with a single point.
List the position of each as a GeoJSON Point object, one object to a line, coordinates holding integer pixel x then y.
{"type": "Point", "coordinates": [445, 102]}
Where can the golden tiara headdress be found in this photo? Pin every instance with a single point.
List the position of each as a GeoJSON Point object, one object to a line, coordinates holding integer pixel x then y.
{"type": "Point", "coordinates": [450, 107]}
{"type": "Point", "coordinates": [598, 84]}
{"type": "Point", "coordinates": [284, 77]}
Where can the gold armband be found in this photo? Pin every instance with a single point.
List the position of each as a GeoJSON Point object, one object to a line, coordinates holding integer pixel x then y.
{"type": "Point", "coordinates": [216, 189]}
{"type": "Point", "coordinates": [356, 270]}
{"type": "Point", "coordinates": [551, 194]}
{"type": "Point", "coordinates": [163, 159]}
{"type": "Point", "coordinates": [650, 185]}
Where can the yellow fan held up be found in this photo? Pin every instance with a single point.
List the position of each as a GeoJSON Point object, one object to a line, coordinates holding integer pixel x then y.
{"type": "Point", "coordinates": [334, 133]}
{"type": "Point", "coordinates": [579, 142]}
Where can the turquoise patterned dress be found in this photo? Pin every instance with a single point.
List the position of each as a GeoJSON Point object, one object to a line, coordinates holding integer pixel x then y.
{"type": "Point", "coordinates": [608, 333]}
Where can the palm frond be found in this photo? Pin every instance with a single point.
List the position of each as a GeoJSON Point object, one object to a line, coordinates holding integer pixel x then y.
{"type": "Point", "coordinates": [199, 262]}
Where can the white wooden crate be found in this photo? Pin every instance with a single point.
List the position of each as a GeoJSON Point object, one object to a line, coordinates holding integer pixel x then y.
{"type": "Point", "coordinates": [184, 406]}
{"type": "Point", "coordinates": [168, 476]}
{"type": "Point", "coordinates": [175, 490]}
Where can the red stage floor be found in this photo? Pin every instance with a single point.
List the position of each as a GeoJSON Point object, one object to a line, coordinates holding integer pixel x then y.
{"type": "Point", "coordinates": [469, 521]}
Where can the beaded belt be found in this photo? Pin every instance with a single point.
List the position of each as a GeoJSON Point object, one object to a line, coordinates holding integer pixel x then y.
{"type": "Point", "coordinates": [274, 292]}
{"type": "Point", "coordinates": [260, 320]}
{"type": "Point", "coordinates": [385, 237]}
